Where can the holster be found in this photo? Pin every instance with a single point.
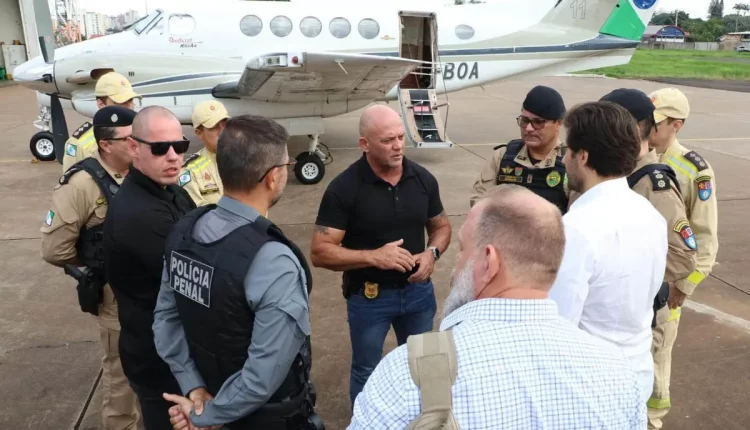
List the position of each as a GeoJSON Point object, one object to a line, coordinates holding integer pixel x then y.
{"type": "Point", "coordinates": [660, 300]}
{"type": "Point", "coordinates": [90, 288]}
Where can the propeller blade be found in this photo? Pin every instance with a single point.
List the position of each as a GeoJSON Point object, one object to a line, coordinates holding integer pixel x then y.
{"type": "Point", "coordinates": [44, 29]}
{"type": "Point", "coordinates": [59, 127]}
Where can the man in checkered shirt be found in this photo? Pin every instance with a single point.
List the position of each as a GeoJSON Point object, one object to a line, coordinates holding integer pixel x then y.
{"type": "Point", "coordinates": [520, 365]}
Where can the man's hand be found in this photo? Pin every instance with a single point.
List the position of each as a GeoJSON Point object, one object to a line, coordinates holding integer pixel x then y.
{"type": "Point", "coordinates": [198, 396]}
{"type": "Point", "coordinates": [426, 263]}
{"type": "Point", "coordinates": [179, 415]}
{"type": "Point", "coordinates": [676, 297]}
{"type": "Point", "coordinates": [392, 257]}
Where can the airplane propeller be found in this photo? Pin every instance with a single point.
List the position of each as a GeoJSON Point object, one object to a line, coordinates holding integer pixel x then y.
{"type": "Point", "coordinates": [47, 46]}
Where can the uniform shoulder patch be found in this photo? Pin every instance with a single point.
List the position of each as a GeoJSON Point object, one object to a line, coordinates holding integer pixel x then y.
{"type": "Point", "coordinates": [704, 187]}
{"type": "Point", "coordinates": [190, 159]}
{"type": "Point", "coordinates": [660, 180]}
{"type": "Point", "coordinates": [697, 160]}
{"type": "Point", "coordinates": [82, 129]}
{"type": "Point", "coordinates": [185, 178]}
{"type": "Point", "coordinates": [682, 227]}
{"type": "Point", "coordinates": [50, 217]}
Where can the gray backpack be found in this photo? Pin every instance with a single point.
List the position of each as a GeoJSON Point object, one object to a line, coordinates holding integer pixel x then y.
{"type": "Point", "coordinates": [433, 367]}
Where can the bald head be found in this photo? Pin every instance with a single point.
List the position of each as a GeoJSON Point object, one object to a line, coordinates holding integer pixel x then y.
{"type": "Point", "coordinates": [374, 117]}
{"type": "Point", "coordinates": [153, 120]}
{"type": "Point", "coordinates": [526, 230]}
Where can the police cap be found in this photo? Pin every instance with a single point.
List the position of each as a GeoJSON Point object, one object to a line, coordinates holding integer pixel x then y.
{"type": "Point", "coordinates": [114, 116]}
{"type": "Point", "coordinates": [545, 102]}
{"type": "Point", "coordinates": [635, 101]}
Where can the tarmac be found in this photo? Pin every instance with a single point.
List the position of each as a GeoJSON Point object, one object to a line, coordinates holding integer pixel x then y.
{"type": "Point", "coordinates": [49, 350]}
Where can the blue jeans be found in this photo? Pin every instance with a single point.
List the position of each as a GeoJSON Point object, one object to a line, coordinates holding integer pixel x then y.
{"type": "Point", "coordinates": [410, 310]}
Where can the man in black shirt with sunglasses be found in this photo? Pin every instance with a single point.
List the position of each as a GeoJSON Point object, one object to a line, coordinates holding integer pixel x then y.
{"type": "Point", "coordinates": [535, 160]}
{"type": "Point", "coordinates": [141, 215]}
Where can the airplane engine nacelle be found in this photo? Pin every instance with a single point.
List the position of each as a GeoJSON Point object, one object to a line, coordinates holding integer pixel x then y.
{"type": "Point", "coordinates": [85, 106]}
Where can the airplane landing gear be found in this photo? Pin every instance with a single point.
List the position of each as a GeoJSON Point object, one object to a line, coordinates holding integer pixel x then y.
{"type": "Point", "coordinates": [310, 167]}
{"type": "Point", "coordinates": [42, 144]}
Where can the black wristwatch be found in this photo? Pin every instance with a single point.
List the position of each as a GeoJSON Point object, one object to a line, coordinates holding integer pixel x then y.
{"type": "Point", "coordinates": [435, 252]}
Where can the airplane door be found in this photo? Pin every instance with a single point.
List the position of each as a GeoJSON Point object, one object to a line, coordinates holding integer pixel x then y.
{"type": "Point", "coordinates": [418, 40]}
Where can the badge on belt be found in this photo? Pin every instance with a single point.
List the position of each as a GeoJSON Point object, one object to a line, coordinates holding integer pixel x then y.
{"type": "Point", "coordinates": [371, 290]}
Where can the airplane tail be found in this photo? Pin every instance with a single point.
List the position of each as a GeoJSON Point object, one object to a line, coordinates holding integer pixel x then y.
{"type": "Point", "coordinates": [626, 19]}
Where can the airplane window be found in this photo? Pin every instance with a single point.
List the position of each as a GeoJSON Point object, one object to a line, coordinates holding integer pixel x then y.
{"type": "Point", "coordinates": [181, 24]}
{"type": "Point", "coordinates": [368, 28]}
{"type": "Point", "coordinates": [140, 25]}
{"type": "Point", "coordinates": [251, 25]}
{"type": "Point", "coordinates": [310, 26]}
{"type": "Point", "coordinates": [464, 32]}
{"type": "Point", "coordinates": [281, 26]}
{"type": "Point", "coordinates": [339, 27]}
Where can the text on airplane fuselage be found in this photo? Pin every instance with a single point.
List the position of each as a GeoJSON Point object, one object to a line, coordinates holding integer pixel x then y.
{"type": "Point", "coordinates": [461, 71]}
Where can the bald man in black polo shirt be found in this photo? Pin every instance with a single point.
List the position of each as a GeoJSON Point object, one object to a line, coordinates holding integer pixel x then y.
{"type": "Point", "coordinates": [371, 225]}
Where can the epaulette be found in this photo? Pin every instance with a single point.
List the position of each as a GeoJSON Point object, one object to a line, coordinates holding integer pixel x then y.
{"type": "Point", "coordinates": [697, 160]}
{"type": "Point", "coordinates": [82, 129]}
{"type": "Point", "coordinates": [660, 180]}
{"type": "Point", "coordinates": [191, 159]}
{"type": "Point", "coordinates": [499, 146]}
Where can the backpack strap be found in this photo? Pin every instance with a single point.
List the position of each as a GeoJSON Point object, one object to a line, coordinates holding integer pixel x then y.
{"type": "Point", "coordinates": [433, 367]}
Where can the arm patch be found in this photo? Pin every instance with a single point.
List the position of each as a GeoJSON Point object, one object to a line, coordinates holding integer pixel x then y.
{"type": "Point", "coordinates": [82, 129]}
{"type": "Point", "coordinates": [697, 160]}
{"type": "Point", "coordinates": [660, 180]}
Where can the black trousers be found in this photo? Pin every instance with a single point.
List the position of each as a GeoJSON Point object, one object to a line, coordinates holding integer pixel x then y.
{"type": "Point", "coordinates": [154, 409]}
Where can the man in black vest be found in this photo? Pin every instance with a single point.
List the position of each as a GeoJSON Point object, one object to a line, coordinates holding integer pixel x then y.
{"type": "Point", "coordinates": [232, 316]}
{"type": "Point", "coordinates": [72, 238]}
{"type": "Point", "coordinates": [139, 219]}
{"type": "Point", "coordinates": [535, 160]}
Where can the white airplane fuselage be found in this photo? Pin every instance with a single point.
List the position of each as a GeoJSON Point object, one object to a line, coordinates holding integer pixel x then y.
{"type": "Point", "coordinates": [175, 58]}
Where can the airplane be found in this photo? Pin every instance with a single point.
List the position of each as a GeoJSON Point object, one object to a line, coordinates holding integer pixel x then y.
{"type": "Point", "coordinates": [301, 63]}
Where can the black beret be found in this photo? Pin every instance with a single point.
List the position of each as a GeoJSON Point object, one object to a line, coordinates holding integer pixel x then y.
{"type": "Point", "coordinates": [635, 101]}
{"type": "Point", "coordinates": [114, 116]}
{"type": "Point", "coordinates": [545, 102]}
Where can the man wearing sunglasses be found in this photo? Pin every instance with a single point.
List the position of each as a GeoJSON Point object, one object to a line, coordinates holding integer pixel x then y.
{"type": "Point", "coordinates": [535, 160]}
{"type": "Point", "coordinates": [72, 237]}
{"type": "Point", "coordinates": [232, 317]}
{"type": "Point", "coordinates": [147, 205]}
{"type": "Point", "coordinates": [200, 175]}
{"type": "Point", "coordinates": [112, 89]}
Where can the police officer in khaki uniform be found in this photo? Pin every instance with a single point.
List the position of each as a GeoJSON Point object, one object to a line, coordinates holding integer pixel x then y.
{"type": "Point", "coordinates": [698, 186]}
{"type": "Point", "coordinates": [200, 175]}
{"type": "Point", "coordinates": [535, 160]}
{"type": "Point", "coordinates": [112, 89]}
{"type": "Point", "coordinates": [71, 237]}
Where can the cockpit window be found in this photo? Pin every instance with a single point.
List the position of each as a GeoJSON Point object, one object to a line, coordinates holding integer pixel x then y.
{"type": "Point", "coordinates": [144, 22]}
{"type": "Point", "coordinates": [181, 24]}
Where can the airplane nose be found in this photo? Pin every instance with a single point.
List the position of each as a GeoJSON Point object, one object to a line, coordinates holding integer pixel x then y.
{"type": "Point", "coordinates": [36, 75]}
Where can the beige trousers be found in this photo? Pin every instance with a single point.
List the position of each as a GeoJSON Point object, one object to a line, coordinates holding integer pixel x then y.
{"type": "Point", "coordinates": [664, 335]}
{"type": "Point", "coordinates": [119, 402]}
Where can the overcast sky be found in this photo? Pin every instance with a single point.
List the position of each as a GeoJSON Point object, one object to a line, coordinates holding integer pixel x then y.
{"type": "Point", "coordinates": [696, 8]}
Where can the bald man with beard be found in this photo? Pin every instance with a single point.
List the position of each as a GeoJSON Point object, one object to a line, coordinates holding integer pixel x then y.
{"type": "Point", "coordinates": [371, 225]}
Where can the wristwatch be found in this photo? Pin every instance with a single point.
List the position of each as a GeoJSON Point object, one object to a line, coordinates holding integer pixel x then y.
{"type": "Point", "coordinates": [435, 252]}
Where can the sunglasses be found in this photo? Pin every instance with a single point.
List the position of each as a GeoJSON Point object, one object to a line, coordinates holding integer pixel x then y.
{"type": "Point", "coordinates": [290, 164]}
{"type": "Point", "coordinates": [536, 123]}
{"type": "Point", "coordinates": [161, 148]}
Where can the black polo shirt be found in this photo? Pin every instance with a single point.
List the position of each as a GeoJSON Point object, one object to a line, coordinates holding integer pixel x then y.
{"type": "Point", "coordinates": [373, 212]}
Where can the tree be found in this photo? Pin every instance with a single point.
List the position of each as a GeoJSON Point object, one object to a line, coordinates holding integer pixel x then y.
{"type": "Point", "coordinates": [716, 9]}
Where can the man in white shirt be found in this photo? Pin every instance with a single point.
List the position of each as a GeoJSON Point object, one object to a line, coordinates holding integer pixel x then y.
{"type": "Point", "coordinates": [616, 241]}
{"type": "Point", "coordinates": [518, 363]}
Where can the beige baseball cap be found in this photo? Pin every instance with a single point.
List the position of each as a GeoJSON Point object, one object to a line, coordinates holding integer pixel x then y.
{"type": "Point", "coordinates": [208, 114]}
{"type": "Point", "coordinates": [116, 87]}
{"type": "Point", "coordinates": [670, 103]}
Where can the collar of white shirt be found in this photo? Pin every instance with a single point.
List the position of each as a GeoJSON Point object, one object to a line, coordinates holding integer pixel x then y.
{"type": "Point", "coordinates": [502, 310]}
{"type": "Point", "coordinates": [609, 187]}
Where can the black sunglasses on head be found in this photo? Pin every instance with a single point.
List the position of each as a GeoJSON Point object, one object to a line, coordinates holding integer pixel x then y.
{"type": "Point", "coordinates": [161, 148]}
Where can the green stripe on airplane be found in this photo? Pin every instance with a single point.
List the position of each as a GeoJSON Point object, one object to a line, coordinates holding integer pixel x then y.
{"type": "Point", "coordinates": [624, 22]}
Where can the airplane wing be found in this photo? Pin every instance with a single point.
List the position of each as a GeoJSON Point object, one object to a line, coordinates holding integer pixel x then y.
{"type": "Point", "coordinates": [314, 77]}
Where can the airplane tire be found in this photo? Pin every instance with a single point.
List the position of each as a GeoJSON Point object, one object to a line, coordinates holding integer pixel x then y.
{"type": "Point", "coordinates": [42, 146]}
{"type": "Point", "coordinates": [309, 168]}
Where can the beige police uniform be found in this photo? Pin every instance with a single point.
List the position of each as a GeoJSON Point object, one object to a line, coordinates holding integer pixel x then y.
{"type": "Point", "coordinates": [77, 204]}
{"type": "Point", "coordinates": [82, 143]}
{"type": "Point", "coordinates": [698, 186]}
{"type": "Point", "coordinates": [200, 174]}
{"type": "Point", "coordinates": [487, 178]}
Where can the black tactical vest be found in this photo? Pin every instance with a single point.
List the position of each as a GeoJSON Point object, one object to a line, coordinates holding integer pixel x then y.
{"type": "Point", "coordinates": [546, 182]}
{"type": "Point", "coordinates": [90, 244]}
{"type": "Point", "coordinates": [207, 280]}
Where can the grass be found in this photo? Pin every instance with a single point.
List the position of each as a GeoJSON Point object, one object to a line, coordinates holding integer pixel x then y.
{"type": "Point", "coordinates": [677, 63]}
